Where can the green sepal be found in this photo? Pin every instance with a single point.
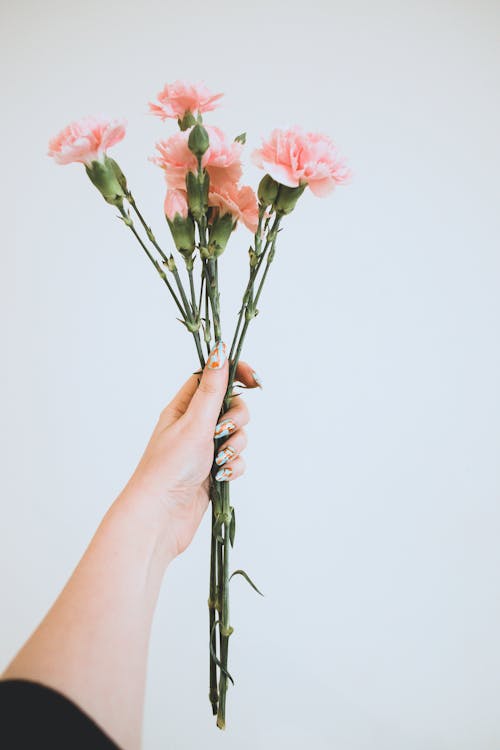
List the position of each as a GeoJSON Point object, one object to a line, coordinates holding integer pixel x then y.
{"type": "Point", "coordinates": [247, 578]}
{"type": "Point", "coordinates": [267, 191]}
{"type": "Point", "coordinates": [241, 138]}
{"type": "Point", "coordinates": [219, 234]}
{"type": "Point", "coordinates": [187, 121]}
{"type": "Point", "coordinates": [232, 527]}
{"type": "Point", "coordinates": [288, 197]}
{"type": "Point", "coordinates": [104, 176]}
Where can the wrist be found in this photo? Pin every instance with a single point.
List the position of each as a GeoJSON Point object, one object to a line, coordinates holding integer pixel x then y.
{"type": "Point", "coordinates": [148, 519]}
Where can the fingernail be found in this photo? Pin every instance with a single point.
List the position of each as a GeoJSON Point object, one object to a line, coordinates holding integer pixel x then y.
{"type": "Point", "coordinates": [223, 474]}
{"type": "Point", "coordinates": [225, 455]}
{"type": "Point", "coordinates": [226, 427]}
{"type": "Point", "coordinates": [217, 356]}
{"type": "Point", "coordinates": [256, 378]}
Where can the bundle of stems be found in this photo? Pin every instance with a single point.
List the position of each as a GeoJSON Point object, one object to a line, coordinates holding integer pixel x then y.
{"type": "Point", "coordinates": [191, 305]}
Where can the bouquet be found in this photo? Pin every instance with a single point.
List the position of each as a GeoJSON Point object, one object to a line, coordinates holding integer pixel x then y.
{"type": "Point", "coordinates": [204, 204]}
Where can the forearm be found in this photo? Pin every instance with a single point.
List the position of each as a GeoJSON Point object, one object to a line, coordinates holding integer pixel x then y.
{"type": "Point", "coordinates": [92, 645]}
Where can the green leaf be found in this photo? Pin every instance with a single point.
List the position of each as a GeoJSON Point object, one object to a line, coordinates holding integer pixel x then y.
{"type": "Point", "coordinates": [247, 578]}
{"type": "Point", "coordinates": [232, 527]}
{"type": "Point", "coordinates": [241, 138]}
{"type": "Point", "coordinates": [214, 655]}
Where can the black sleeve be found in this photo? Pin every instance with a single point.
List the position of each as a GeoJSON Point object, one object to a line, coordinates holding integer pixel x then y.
{"type": "Point", "coordinates": [34, 716]}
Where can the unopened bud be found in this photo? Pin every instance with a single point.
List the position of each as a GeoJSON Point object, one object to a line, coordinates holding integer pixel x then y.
{"type": "Point", "coordinates": [197, 194]}
{"type": "Point", "coordinates": [219, 234]}
{"type": "Point", "coordinates": [182, 233]}
{"type": "Point", "coordinates": [198, 141]}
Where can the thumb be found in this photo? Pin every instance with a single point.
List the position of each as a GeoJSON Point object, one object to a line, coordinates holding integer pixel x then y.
{"type": "Point", "coordinates": [207, 400]}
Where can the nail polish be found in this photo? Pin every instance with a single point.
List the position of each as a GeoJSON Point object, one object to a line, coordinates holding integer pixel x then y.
{"type": "Point", "coordinates": [224, 428]}
{"type": "Point", "coordinates": [217, 356]}
{"type": "Point", "coordinates": [223, 474]}
{"type": "Point", "coordinates": [226, 454]}
{"type": "Point", "coordinates": [256, 378]}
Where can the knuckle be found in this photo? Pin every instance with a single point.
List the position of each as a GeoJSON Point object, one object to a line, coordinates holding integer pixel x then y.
{"type": "Point", "coordinates": [208, 388]}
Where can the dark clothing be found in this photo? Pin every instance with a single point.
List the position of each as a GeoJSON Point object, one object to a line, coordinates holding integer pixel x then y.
{"type": "Point", "coordinates": [36, 717]}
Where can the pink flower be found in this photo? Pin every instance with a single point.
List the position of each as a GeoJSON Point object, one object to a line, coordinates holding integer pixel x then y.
{"type": "Point", "coordinates": [222, 159]}
{"type": "Point", "coordinates": [86, 140]}
{"type": "Point", "coordinates": [179, 97]}
{"type": "Point", "coordinates": [241, 202]}
{"type": "Point", "coordinates": [175, 203]}
{"type": "Point", "coordinates": [292, 157]}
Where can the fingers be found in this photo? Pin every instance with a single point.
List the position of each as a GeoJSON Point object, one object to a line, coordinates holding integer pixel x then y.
{"type": "Point", "coordinates": [207, 399]}
{"type": "Point", "coordinates": [232, 470]}
{"type": "Point", "coordinates": [246, 375]}
{"type": "Point", "coordinates": [234, 418]}
{"type": "Point", "coordinates": [180, 403]}
{"type": "Point", "coordinates": [231, 448]}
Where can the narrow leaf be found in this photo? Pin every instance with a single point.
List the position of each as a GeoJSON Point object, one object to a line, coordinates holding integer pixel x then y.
{"type": "Point", "coordinates": [247, 578]}
{"type": "Point", "coordinates": [232, 527]}
{"type": "Point", "coordinates": [214, 655]}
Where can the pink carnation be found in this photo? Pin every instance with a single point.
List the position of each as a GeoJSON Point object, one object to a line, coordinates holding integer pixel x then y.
{"type": "Point", "coordinates": [241, 202]}
{"type": "Point", "coordinates": [86, 140]}
{"type": "Point", "coordinates": [175, 203]}
{"type": "Point", "coordinates": [222, 159]}
{"type": "Point", "coordinates": [179, 97]}
{"type": "Point", "coordinates": [292, 156]}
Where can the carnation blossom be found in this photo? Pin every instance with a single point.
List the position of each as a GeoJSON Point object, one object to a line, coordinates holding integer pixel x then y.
{"type": "Point", "coordinates": [175, 203]}
{"type": "Point", "coordinates": [86, 140]}
{"type": "Point", "coordinates": [240, 202]}
{"type": "Point", "coordinates": [178, 98]}
{"type": "Point", "coordinates": [293, 157]}
{"type": "Point", "coordinates": [222, 160]}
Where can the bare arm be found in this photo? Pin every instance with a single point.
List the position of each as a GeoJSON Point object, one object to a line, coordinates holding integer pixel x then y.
{"type": "Point", "coordinates": [92, 645]}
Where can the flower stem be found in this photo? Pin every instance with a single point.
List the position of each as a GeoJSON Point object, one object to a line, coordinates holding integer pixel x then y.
{"type": "Point", "coordinates": [130, 224]}
{"type": "Point", "coordinates": [248, 305]}
{"type": "Point", "coordinates": [225, 629]}
{"type": "Point", "coordinates": [213, 605]}
{"type": "Point", "coordinates": [186, 315]}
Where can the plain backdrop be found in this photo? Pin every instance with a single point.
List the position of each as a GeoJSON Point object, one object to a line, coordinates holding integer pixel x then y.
{"type": "Point", "coordinates": [369, 512]}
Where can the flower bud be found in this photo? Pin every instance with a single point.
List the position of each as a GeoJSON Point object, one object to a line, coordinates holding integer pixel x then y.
{"type": "Point", "coordinates": [288, 197]}
{"type": "Point", "coordinates": [267, 190]}
{"type": "Point", "coordinates": [198, 141]}
{"type": "Point", "coordinates": [197, 194]}
{"type": "Point", "coordinates": [104, 176]}
{"type": "Point", "coordinates": [183, 234]}
{"type": "Point", "coordinates": [219, 234]}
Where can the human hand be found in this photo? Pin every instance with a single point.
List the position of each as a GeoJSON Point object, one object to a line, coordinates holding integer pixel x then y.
{"type": "Point", "coordinates": [174, 469]}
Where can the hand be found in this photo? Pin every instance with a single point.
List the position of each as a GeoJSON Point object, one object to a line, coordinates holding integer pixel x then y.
{"type": "Point", "coordinates": [174, 469]}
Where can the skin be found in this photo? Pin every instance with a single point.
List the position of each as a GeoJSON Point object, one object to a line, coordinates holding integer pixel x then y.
{"type": "Point", "coordinates": [92, 645]}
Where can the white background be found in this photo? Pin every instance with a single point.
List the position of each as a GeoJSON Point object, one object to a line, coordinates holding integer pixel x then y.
{"type": "Point", "coordinates": [369, 511]}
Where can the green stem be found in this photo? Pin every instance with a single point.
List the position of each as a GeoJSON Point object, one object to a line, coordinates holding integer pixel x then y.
{"type": "Point", "coordinates": [213, 295]}
{"type": "Point", "coordinates": [185, 314]}
{"type": "Point", "coordinates": [193, 293]}
{"type": "Point", "coordinates": [247, 299]}
{"type": "Point", "coordinates": [225, 629]}
{"type": "Point", "coordinates": [130, 224]}
{"type": "Point", "coordinates": [212, 604]}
